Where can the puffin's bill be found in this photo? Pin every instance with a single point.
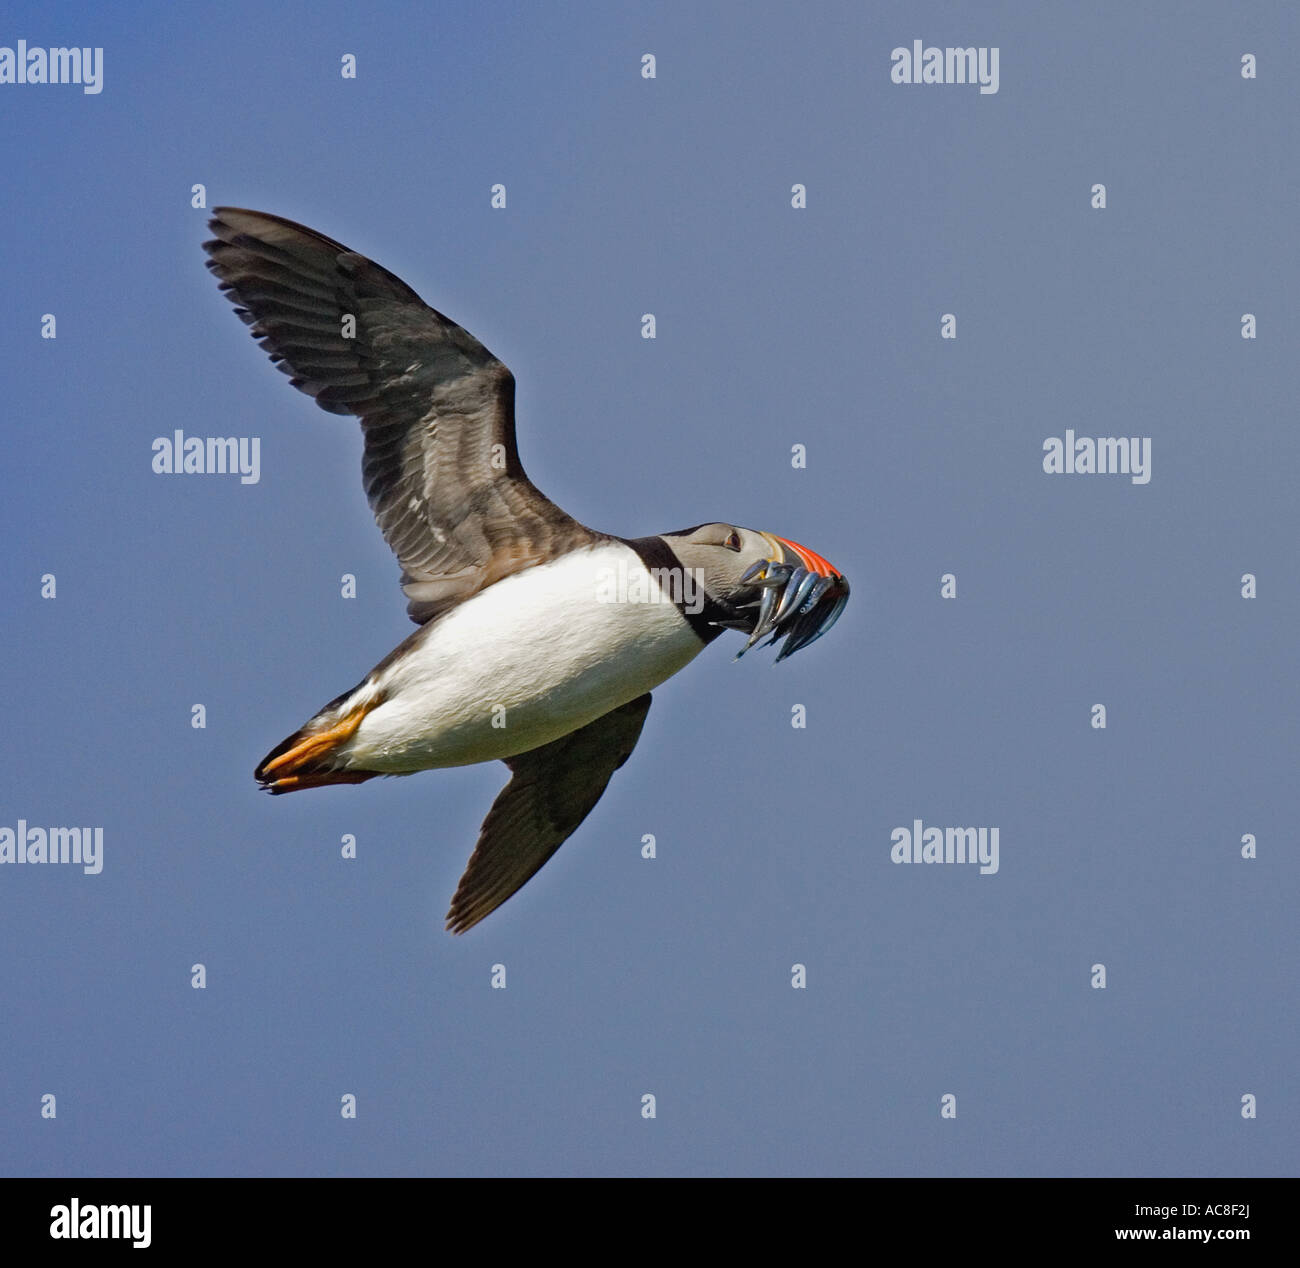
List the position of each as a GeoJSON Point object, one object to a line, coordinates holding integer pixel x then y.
{"type": "Point", "coordinates": [800, 599]}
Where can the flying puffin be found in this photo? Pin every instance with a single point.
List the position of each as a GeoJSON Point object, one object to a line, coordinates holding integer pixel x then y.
{"type": "Point", "coordinates": [539, 638]}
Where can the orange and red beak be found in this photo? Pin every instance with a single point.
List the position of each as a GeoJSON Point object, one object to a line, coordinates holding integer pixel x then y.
{"type": "Point", "coordinates": [793, 553]}
{"type": "Point", "coordinates": [802, 596]}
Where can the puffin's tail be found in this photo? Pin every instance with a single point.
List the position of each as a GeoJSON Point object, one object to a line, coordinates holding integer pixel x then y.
{"type": "Point", "coordinates": [312, 757]}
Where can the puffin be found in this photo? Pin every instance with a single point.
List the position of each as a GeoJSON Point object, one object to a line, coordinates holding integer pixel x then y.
{"type": "Point", "coordinates": [539, 639]}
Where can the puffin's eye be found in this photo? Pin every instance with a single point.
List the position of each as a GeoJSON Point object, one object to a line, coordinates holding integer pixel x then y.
{"type": "Point", "coordinates": [733, 540]}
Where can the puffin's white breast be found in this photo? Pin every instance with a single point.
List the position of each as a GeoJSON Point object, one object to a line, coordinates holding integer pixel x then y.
{"type": "Point", "coordinates": [531, 658]}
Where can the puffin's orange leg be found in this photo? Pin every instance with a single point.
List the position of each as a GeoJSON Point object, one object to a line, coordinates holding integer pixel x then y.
{"type": "Point", "coordinates": [298, 761]}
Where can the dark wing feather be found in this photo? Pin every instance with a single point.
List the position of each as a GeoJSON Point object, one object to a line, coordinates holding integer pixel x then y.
{"type": "Point", "coordinates": [551, 791]}
{"type": "Point", "coordinates": [441, 469]}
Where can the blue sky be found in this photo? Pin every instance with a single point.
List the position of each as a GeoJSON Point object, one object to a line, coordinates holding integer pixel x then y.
{"type": "Point", "coordinates": [775, 327]}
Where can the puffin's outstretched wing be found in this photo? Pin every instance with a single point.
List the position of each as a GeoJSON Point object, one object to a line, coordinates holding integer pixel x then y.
{"type": "Point", "coordinates": [441, 469]}
{"type": "Point", "coordinates": [552, 790]}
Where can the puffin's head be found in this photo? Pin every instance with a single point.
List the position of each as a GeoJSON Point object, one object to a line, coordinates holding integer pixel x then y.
{"type": "Point", "coordinates": [763, 583]}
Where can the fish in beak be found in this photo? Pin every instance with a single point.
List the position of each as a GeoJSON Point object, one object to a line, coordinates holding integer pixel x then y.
{"type": "Point", "coordinates": [800, 596]}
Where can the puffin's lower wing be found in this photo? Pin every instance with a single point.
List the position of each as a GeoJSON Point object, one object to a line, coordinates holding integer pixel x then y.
{"type": "Point", "coordinates": [552, 790]}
